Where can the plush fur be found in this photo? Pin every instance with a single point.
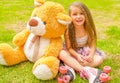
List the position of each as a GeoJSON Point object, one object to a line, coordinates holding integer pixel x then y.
{"type": "Point", "coordinates": [41, 42]}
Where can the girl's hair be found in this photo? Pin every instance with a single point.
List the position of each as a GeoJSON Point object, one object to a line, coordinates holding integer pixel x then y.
{"type": "Point", "coordinates": [88, 25]}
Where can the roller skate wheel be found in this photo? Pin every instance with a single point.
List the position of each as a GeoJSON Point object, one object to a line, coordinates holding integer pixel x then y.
{"type": "Point", "coordinates": [104, 77]}
{"type": "Point", "coordinates": [106, 69]}
{"type": "Point", "coordinates": [63, 69]}
{"type": "Point", "coordinates": [66, 78]}
{"type": "Point", "coordinates": [60, 80]}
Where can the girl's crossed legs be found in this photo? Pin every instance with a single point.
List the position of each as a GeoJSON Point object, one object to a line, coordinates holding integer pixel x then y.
{"type": "Point", "coordinates": [82, 67]}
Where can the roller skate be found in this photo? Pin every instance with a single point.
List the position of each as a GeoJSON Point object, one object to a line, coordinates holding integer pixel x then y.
{"type": "Point", "coordinates": [94, 75]}
{"type": "Point", "coordinates": [66, 74]}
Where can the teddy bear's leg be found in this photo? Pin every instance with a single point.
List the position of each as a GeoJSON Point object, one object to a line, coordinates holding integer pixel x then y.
{"type": "Point", "coordinates": [46, 68]}
{"type": "Point", "coordinates": [10, 56]}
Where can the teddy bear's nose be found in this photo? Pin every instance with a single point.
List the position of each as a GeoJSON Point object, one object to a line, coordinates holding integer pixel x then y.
{"type": "Point", "coordinates": [33, 22]}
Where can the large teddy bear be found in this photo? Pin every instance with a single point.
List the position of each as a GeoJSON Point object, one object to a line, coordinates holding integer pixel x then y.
{"type": "Point", "coordinates": [41, 42]}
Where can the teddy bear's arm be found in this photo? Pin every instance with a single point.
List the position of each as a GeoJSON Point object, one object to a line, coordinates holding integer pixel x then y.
{"type": "Point", "coordinates": [54, 48]}
{"type": "Point", "coordinates": [20, 38]}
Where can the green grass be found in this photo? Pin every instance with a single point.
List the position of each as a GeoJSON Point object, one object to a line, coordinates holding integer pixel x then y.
{"type": "Point", "coordinates": [7, 36]}
{"type": "Point", "coordinates": [112, 42]}
{"type": "Point", "coordinates": [15, 14]}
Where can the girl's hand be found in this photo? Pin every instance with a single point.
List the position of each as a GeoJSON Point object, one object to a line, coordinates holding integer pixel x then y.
{"type": "Point", "coordinates": [80, 59]}
{"type": "Point", "coordinates": [89, 58]}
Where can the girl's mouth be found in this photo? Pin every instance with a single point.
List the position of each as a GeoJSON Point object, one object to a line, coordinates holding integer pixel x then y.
{"type": "Point", "coordinates": [79, 20]}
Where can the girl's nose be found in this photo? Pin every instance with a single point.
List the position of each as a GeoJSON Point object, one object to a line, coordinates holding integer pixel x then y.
{"type": "Point", "coordinates": [78, 16]}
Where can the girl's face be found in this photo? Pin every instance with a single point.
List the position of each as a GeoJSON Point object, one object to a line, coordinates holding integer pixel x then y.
{"type": "Point", "coordinates": [77, 16]}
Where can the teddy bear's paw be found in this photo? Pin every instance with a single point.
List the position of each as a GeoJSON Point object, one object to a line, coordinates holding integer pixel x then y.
{"type": "Point", "coordinates": [43, 72]}
{"type": "Point", "coordinates": [2, 60]}
{"type": "Point", "coordinates": [3, 51]}
{"type": "Point", "coordinates": [10, 56]}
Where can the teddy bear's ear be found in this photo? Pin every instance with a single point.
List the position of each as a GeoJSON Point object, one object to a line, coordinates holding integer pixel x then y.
{"type": "Point", "coordinates": [63, 19]}
{"type": "Point", "coordinates": [38, 2]}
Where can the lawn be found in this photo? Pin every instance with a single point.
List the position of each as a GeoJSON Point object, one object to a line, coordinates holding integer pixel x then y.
{"type": "Point", "coordinates": [106, 14]}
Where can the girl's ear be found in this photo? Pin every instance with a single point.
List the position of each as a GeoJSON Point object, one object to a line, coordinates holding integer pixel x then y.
{"type": "Point", "coordinates": [38, 2]}
{"type": "Point", "coordinates": [63, 19]}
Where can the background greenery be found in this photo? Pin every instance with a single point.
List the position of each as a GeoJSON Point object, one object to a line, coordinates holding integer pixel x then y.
{"type": "Point", "coordinates": [14, 15]}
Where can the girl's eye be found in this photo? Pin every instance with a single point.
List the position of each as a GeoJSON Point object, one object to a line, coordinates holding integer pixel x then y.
{"type": "Point", "coordinates": [74, 14]}
{"type": "Point", "coordinates": [81, 13]}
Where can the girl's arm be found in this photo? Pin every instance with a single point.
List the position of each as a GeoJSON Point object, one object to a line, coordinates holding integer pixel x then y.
{"type": "Point", "coordinates": [92, 51]}
{"type": "Point", "coordinates": [70, 49]}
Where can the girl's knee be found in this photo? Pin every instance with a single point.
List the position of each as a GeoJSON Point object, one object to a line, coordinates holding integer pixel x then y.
{"type": "Point", "coordinates": [62, 54]}
{"type": "Point", "coordinates": [98, 62]}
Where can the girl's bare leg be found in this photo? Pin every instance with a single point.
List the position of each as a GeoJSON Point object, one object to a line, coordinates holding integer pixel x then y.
{"type": "Point", "coordinates": [85, 72]}
{"type": "Point", "coordinates": [70, 61]}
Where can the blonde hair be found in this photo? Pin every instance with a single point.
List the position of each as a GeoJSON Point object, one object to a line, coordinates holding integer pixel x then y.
{"type": "Point", "coordinates": [89, 25]}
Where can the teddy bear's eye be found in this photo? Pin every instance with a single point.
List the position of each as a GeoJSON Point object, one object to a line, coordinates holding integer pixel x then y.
{"type": "Point", "coordinates": [44, 22]}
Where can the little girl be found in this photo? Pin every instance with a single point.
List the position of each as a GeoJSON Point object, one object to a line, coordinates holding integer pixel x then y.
{"type": "Point", "coordinates": [80, 52]}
